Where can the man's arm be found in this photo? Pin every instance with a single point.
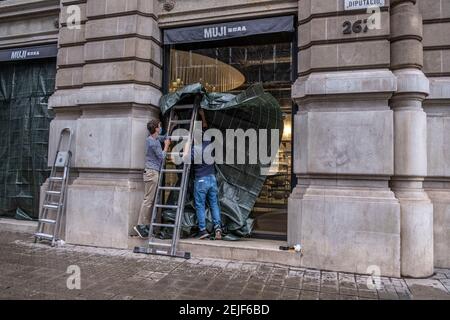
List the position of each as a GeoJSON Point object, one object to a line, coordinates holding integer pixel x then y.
{"type": "Point", "coordinates": [159, 152]}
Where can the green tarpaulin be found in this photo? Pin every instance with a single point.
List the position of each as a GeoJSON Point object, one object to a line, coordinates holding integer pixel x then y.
{"type": "Point", "coordinates": [239, 184]}
{"type": "Point", "coordinates": [24, 129]}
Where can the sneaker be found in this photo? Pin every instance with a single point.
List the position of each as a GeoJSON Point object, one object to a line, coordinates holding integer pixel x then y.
{"type": "Point", "coordinates": [141, 231]}
{"type": "Point", "coordinates": [218, 234]}
{"type": "Point", "coordinates": [203, 235]}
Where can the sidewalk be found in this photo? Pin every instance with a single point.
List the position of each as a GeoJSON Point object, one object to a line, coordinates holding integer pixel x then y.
{"type": "Point", "coordinates": [36, 271]}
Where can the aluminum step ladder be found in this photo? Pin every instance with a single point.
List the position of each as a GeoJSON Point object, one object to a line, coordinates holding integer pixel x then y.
{"type": "Point", "coordinates": [54, 204]}
{"type": "Point", "coordinates": [156, 247]}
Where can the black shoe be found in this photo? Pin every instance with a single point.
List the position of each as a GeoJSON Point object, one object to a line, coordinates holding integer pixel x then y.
{"type": "Point", "coordinates": [203, 235]}
{"type": "Point", "coordinates": [141, 231]}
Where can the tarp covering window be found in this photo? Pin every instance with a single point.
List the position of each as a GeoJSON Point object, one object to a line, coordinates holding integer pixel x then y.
{"type": "Point", "coordinates": [24, 128]}
{"type": "Point", "coordinates": [239, 184]}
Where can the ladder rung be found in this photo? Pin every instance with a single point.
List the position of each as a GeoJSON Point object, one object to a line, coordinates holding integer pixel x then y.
{"type": "Point", "coordinates": [166, 206]}
{"type": "Point", "coordinates": [56, 179]}
{"type": "Point", "coordinates": [56, 193]}
{"type": "Point", "coordinates": [178, 138]}
{"type": "Point", "coordinates": [181, 121]}
{"type": "Point", "coordinates": [48, 221]}
{"type": "Point", "coordinates": [43, 236]}
{"type": "Point", "coordinates": [172, 170]}
{"type": "Point", "coordinates": [183, 107]}
{"type": "Point", "coordinates": [170, 188]}
{"type": "Point", "coordinates": [51, 206]}
{"type": "Point", "coordinates": [164, 225]}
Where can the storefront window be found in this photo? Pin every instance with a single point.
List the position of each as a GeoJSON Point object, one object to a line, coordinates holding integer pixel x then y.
{"type": "Point", "coordinates": [232, 67]}
{"type": "Point", "coordinates": [25, 88]}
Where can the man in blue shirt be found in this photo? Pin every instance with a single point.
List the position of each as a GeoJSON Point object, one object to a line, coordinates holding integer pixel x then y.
{"type": "Point", "coordinates": [154, 157]}
{"type": "Point", "coordinates": [205, 187]}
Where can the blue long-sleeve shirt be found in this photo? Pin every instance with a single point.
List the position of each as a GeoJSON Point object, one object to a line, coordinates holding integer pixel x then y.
{"type": "Point", "coordinates": [154, 155]}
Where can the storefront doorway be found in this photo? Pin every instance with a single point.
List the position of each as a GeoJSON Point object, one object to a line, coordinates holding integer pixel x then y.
{"type": "Point", "coordinates": [27, 80]}
{"type": "Point", "coordinates": [231, 65]}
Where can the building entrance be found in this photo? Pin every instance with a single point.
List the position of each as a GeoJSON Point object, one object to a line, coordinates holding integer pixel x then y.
{"type": "Point", "coordinates": [232, 65]}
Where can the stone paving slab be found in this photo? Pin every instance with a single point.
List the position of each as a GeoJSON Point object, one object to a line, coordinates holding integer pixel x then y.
{"type": "Point", "coordinates": [37, 271]}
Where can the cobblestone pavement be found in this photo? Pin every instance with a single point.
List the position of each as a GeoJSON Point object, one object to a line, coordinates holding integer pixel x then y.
{"type": "Point", "coordinates": [36, 271]}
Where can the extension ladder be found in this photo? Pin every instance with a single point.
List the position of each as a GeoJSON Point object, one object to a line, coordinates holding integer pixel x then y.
{"type": "Point", "coordinates": [164, 248]}
{"type": "Point", "coordinates": [54, 203]}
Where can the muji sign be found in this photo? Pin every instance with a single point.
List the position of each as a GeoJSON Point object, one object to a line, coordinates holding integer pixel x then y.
{"type": "Point", "coordinates": [17, 54]}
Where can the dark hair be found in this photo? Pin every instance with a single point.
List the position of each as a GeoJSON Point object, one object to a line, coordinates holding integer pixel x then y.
{"type": "Point", "coordinates": [152, 125]}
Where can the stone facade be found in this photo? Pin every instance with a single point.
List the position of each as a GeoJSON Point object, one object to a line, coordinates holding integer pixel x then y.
{"type": "Point", "coordinates": [344, 144]}
{"type": "Point", "coordinates": [436, 53]}
{"type": "Point", "coordinates": [28, 22]}
{"type": "Point", "coordinates": [108, 86]}
{"type": "Point", "coordinates": [371, 149]}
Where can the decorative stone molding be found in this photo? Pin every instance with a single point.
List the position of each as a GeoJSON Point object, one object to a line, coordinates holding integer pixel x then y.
{"type": "Point", "coordinates": [28, 23]}
{"type": "Point", "coordinates": [168, 5]}
{"type": "Point", "coordinates": [410, 140]}
{"type": "Point", "coordinates": [189, 12]}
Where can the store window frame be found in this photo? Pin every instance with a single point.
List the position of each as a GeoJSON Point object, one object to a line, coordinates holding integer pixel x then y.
{"type": "Point", "coordinates": [32, 214]}
{"type": "Point", "coordinates": [293, 37]}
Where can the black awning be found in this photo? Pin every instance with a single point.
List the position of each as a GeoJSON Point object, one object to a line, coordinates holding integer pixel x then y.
{"type": "Point", "coordinates": [229, 30]}
{"type": "Point", "coordinates": [28, 53]}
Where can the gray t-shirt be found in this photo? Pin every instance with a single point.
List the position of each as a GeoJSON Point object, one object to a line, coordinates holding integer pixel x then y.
{"type": "Point", "coordinates": [154, 155]}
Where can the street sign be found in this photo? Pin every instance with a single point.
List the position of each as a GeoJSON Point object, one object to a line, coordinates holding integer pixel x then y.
{"type": "Point", "coordinates": [363, 4]}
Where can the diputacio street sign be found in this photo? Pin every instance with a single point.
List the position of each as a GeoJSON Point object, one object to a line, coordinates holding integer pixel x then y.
{"type": "Point", "coordinates": [363, 4]}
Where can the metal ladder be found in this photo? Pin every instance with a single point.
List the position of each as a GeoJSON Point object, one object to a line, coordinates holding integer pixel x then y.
{"type": "Point", "coordinates": [164, 248]}
{"type": "Point", "coordinates": [55, 197]}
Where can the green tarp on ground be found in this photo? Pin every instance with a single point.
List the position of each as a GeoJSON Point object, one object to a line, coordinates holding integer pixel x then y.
{"type": "Point", "coordinates": [239, 185]}
{"type": "Point", "coordinates": [24, 128]}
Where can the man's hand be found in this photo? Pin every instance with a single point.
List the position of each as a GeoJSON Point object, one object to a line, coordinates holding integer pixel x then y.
{"type": "Point", "coordinates": [166, 145]}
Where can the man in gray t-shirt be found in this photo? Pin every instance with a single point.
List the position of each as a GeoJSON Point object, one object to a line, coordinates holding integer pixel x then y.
{"type": "Point", "coordinates": [154, 157]}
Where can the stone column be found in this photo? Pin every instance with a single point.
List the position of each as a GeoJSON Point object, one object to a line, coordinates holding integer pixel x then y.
{"type": "Point", "coordinates": [410, 141]}
{"type": "Point", "coordinates": [436, 43]}
{"type": "Point", "coordinates": [342, 211]}
{"type": "Point", "coordinates": [108, 86]}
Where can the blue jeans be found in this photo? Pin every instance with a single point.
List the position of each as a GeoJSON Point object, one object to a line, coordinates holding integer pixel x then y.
{"type": "Point", "coordinates": [205, 188]}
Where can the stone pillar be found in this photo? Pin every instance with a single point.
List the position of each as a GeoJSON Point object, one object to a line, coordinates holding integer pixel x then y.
{"type": "Point", "coordinates": [436, 43]}
{"type": "Point", "coordinates": [410, 141]}
{"type": "Point", "coordinates": [342, 211]}
{"type": "Point", "coordinates": [108, 86]}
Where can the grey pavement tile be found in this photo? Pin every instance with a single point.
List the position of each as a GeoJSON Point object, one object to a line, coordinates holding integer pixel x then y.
{"type": "Point", "coordinates": [328, 296]}
{"type": "Point", "coordinates": [329, 289]}
{"type": "Point", "coordinates": [348, 291]}
{"type": "Point", "coordinates": [368, 294]}
{"type": "Point", "coordinates": [429, 289]}
{"type": "Point", "coordinates": [309, 295]}
{"type": "Point", "coordinates": [290, 294]}
{"type": "Point", "coordinates": [386, 295]}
